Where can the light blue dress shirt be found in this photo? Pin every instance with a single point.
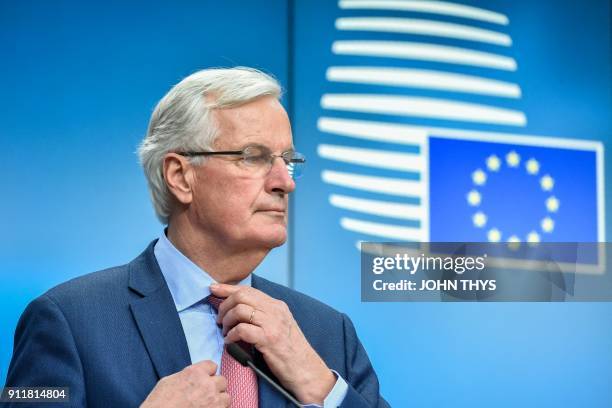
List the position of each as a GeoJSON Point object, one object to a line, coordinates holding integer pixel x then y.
{"type": "Point", "coordinates": [189, 286]}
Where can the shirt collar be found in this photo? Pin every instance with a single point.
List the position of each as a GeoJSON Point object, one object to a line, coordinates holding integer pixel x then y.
{"type": "Point", "coordinates": [188, 283]}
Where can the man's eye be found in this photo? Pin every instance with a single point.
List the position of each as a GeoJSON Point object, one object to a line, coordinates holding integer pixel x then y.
{"type": "Point", "coordinates": [255, 159]}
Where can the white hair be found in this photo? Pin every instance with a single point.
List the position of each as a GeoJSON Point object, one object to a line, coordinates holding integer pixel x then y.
{"type": "Point", "coordinates": [183, 120]}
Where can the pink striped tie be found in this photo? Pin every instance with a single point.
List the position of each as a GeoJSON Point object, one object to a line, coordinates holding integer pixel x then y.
{"type": "Point", "coordinates": [241, 381]}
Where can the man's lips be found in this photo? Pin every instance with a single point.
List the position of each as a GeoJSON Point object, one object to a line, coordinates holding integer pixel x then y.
{"type": "Point", "coordinates": [275, 211]}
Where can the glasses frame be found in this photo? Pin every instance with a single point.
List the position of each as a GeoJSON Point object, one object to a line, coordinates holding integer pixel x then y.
{"type": "Point", "coordinates": [301, 160]}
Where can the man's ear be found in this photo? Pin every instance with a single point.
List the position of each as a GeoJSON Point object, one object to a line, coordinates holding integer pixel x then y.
{"type": "Point", "coordinates": [178, 175]}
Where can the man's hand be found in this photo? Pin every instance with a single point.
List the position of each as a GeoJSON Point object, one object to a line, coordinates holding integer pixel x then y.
{"type": "Point", "coordinates": [256, 318]}
{"type": "Point", "coordinates": [194, 386]}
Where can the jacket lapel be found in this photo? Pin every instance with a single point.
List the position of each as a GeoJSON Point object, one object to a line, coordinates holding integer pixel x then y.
{"type": "Point", "coordinates": [156, 316]}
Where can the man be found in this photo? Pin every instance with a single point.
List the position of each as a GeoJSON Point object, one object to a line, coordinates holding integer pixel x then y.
{"type": "Point", "coordinates": [219, 161]}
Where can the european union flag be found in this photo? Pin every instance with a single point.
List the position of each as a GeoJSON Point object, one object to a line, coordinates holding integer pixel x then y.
{"type": "Point", "coordinates": [544, 190]}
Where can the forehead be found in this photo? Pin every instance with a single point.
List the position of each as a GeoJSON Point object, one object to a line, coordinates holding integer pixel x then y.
{"type": "Point", "coordinates": [263, 121]}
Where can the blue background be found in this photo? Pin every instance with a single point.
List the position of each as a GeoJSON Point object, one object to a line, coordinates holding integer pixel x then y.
{"type": "Point", "coordinates": [461, 354]}
{"type": "Point", "coordinates": [79, 81]}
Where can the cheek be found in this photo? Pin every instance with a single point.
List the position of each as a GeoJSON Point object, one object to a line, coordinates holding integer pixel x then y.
{"type": "Point", "coordinates": [232, 204]}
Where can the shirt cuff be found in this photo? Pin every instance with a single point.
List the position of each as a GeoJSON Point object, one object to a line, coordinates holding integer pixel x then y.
{"type": "Point", "coordinates": [336, 395]}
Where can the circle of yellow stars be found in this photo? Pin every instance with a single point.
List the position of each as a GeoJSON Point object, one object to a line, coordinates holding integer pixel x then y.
{"type": "Point", "coordinates": [513, 160]}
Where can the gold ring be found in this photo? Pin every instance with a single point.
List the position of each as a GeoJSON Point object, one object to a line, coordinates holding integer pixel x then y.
{"type": "Point", "coordinates": [252, 314]}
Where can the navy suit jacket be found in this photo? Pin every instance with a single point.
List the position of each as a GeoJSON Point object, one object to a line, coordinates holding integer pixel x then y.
{"type": "Point", "coordinates": [111, 335]}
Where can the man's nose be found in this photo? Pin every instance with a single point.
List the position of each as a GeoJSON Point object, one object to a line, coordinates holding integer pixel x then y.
{"type": "Point", "coordinates": [279, 179]}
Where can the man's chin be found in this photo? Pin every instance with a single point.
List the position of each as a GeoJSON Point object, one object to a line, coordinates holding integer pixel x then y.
{"type": "Point", "coordinates": [273, 237]}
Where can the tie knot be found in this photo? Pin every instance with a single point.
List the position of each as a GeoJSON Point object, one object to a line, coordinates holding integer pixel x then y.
{"type": "Point", "coordinates": [215, 301]}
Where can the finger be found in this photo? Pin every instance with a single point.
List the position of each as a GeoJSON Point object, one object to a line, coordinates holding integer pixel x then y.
{"type": "Point", "coordinates": [241, 313]}
{"type": "Point", "coordinates": [233, 295]}
{"type": "Point", "coordinates": [245, 332]}
{"type": "Point", "coordinates": [220, 383]}
{"type": "Point", "coordinates": [245, 295]}
{"type": "Point", "coordinates": [226, 400]}
{"type": "Point", "coordinates": [223, 290]}
{"type": "Point", "coordinates": [209, 367]}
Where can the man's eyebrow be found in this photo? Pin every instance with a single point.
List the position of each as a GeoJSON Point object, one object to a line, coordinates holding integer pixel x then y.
{"type": "Point", "coordinates": [262, 146]}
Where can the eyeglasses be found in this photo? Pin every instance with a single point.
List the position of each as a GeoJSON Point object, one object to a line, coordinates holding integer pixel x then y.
{"type": "Point", "coordinates": [260, 159]}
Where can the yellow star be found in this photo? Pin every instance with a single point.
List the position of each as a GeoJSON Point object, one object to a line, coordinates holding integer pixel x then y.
{"type": "Point", "coordinates": [552, 204]}
{"type": "Point", "coordinates": [514, 242]}
{"type": "Point", "coordinates": [494, 235]}
{"type": "Point", "coordinates": [532, 166]}
{"type": "Point", "coordinates": [547, 183]}
{"type": "Point", "coordinates": [493, 163]}
{"type": "Point", "coordinates": [474, 198]}
{"type": "Point", "coordinates": [513, 159]}
{"type": "Point", "coordinates": [479, 219]}
{"type": "Point", "coordinates": [479, 177]}
{"type": "Point", "coordinates": [547, 224]}
{"type": "Point", "coordinates": [533, 237]}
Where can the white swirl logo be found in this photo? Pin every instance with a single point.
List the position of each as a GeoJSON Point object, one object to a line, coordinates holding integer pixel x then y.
{"type": "Point", "coordinates": [408, 88]}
